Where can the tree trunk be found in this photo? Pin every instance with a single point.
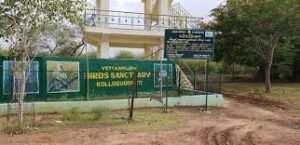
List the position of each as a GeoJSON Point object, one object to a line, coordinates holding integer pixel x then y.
{"type": "Point", "coordinates": [22, 89]}
{"type": "Point", "coordinates": [268, 85]}
{"type": "Point", "coordinates": [233, 71]}
{"type": "Point", "coordinates": [268, 65]}
{"type": "Point", "coordinates": [21, 112]}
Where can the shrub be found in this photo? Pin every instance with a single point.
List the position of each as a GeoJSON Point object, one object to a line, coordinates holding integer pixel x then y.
{"type": "Point", "coordinates": [63, 98]}
{"type": "Point", "coordinates": [98, 112]}
{"type": "Point", "coordinates": [192, 65]}
{"type": "Point", "coordinates": [15, 128]}
{"type": "Point", "coordinates": [72, 114]}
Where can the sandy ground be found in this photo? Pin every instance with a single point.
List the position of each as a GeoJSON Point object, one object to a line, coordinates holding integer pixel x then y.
{"type": "Point", "coordinates": [240, 122]}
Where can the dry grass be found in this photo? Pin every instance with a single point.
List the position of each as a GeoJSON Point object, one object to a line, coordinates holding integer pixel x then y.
{"type": "Point", "coordinates": [143, 120]}
{"type": "Point", "coordinates": [286, 93]}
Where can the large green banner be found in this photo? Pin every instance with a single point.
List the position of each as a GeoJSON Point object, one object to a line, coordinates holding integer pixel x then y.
{"type": "Point", "coordinates": [60, 78]}
{"type": "Point", "coordinates": [116, 77]}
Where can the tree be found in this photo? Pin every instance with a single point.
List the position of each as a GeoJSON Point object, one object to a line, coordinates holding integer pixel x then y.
{"type": "Point", "coordinates": [296, 70]}
{"type": "Point", "coordinates": [125, 55]}
{"type": "Point", "coordinates": [21, 23]}
{"type": "Point", "coordinates": [61, 40]}
{"type": "Point", "coordinates": [296, 43]}
{"type": "Point", "coordinates": [261, 27]}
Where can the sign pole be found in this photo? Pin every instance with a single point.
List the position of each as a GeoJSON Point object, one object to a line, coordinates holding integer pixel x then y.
{"type": "Point", "coordinates": [206, 84]}
{"type": "Point", "coordinates": [161, 81]}
{"type": "Point", "coordinates": [87, 83]}
{"type": "Point", "coordinates": [167, 84]}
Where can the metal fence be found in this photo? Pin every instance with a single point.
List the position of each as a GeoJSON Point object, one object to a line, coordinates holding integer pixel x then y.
{"type": "Point", "coordinates": [201, 82]}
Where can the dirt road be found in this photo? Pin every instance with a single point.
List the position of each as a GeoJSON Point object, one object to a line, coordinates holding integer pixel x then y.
{"type": "Point", "coordinates": [240, 122]}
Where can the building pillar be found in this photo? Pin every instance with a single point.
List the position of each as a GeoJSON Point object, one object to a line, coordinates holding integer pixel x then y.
{"type": "Point", "coordinates": [148, 13]}
{"type": "Point", "coordinates": [102, 18]}
{"type": "Point", "coordinates": [103, 47]}
{"type": "Point", "coordinates": [148, 52]}
{"type": "Point", "coordinates": [163, 12]}
{"type": "Point", "coordinates": [102, 4]}
{"type": "Point", "coordinates": [158, 54]}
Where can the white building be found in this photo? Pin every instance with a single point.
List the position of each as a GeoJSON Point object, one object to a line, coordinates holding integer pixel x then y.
{"type": "Point", "coordinates": [106, 28]}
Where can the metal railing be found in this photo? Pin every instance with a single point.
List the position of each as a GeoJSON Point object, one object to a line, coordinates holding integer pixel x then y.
{"type": "Point", "coordinates": [180, 11]}
{"type": "Point", "coordinates": [138, 21]}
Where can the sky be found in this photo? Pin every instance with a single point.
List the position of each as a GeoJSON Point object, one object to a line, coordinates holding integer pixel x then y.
{"type": "Point", "coordinates": [198, 8]}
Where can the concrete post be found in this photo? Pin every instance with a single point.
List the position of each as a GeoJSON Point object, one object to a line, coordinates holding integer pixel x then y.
{"type": "Point", "coordinates": [102, 4]}
{"type": "Point", "coordinates": [163, 11]}
{"type": "Point", "coordinates": [148, 13]}
{"type": "Point", "coordinates": [102, 7]}
{"type": "Point", "coordinates": [158, 55]}
{"type": "Point", "coordinates": [103, 47]}
{"type": "Point", "coordinates": [147, 52]}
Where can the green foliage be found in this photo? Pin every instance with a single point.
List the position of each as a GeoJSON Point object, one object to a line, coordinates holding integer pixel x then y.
{"type": "Point", "coordinates": [195, 65]}
{"type": "Point", "coordinates": [60, 40]}
{"type": "Point", "coordinates": [99, 112]}
{"type": "Point", "coordinates": [126, 55]}
{"type": "Point", "coordinates": [189, 66]}
{"type": "Point", "coordinates": [257, 33]}
{"type": "Point", "coordinates": [16, 128]}
{"type": "Point", "coordinates": [63, 98]}
{"type": "Point", "coordinates": [23, 22]}
{"type": "Point", "coordinates": [72, 115]}
{"type": "Point", "coordinates": [296, 60]}
{"type": "Point", "coordinates": [3, 52]}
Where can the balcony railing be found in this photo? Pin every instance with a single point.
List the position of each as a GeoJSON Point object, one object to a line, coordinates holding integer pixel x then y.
{"type": "Point", "coordinates": [138, 21]}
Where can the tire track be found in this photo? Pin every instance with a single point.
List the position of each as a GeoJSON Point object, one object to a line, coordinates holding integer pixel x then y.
{"type": "Point", "coordinates": [224, 137]}
{"type": "Point", "coordinates": [248, 138]}
{"type": "Point", "coordinates": [206, 134]}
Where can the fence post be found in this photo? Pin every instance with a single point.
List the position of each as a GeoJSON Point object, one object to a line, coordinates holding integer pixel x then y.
{"type": "Point", "coordinates": [194, 81]}
{"type": "Point", "coordinates": [167, 84]}
{"type": "Point", "coordinates": [206, 84]}
{"type": "Point", "coordinates": [220, 80]}
{"type": "Point", "coordinates": [134, 95]}
{"type": "Point", "coordinates": [179, 83]}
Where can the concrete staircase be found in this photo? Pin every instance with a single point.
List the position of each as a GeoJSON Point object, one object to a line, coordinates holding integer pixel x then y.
{"type": "Point", "coordinates": [185, 82]}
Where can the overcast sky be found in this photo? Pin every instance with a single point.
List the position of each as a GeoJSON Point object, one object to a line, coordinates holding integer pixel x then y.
{"type": "Point", "coordinates": [199, 8]}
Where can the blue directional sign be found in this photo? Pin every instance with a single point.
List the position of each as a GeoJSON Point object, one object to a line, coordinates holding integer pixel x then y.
{"type": "Point", "coordinates": [198, 44]}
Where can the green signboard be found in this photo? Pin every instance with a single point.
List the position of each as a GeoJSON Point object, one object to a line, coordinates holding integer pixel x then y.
{"type": "Point", "coordinates": [113, 77]}
{"type": "Point", "coordinates": [189, 44]}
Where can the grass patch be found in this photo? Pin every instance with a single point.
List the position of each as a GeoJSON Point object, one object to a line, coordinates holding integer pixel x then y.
{"type": "Point", "coordinates": [99, 112]}
{"type": "Point", "coordinates": [72, 115]}
{"type": "Point", "coordinates": [143, 120]}
{"type": "Point", "coordinates": [16, 128]}
{"type": "Point", "coordinates": [287, 93]}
